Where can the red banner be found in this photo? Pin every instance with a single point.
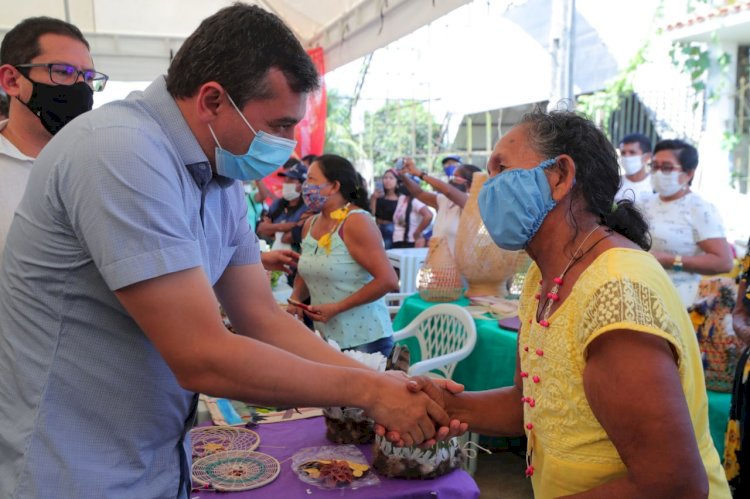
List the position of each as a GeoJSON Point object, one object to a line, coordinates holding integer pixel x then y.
{"type": "Point", "coordinates": [311, 131]}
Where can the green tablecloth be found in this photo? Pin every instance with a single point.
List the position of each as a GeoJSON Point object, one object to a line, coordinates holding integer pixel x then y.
{"type": "Point", "coordinates": [718, 416]}
{"type": "Point", "coordinates": [492, 364]}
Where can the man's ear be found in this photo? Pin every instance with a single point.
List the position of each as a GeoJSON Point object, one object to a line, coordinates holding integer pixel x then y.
{"type": "Point", "coordinates": [562, 177]}
{"type": "Point", "coordinates": [209, 100]}
{"type": "Point", "coordinates": [9, 77]}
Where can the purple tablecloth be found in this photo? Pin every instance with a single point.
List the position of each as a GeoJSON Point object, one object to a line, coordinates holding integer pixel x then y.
{"type": "Point", "coordinates": [282, 440]}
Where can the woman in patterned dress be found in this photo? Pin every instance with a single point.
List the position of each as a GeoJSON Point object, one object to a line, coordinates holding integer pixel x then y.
{"type": "Point", "coordinates": [686, 230]}
{"type": "Point", "coordinates": [737, 446]}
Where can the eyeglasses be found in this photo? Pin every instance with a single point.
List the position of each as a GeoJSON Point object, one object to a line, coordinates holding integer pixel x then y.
{"type": "Point", "coordinates": [65, 74]}
{"type": "Point", "coordinates": [663, 167]}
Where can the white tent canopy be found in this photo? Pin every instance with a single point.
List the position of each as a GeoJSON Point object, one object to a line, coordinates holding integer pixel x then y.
{"type": "Point", "coordinates": [132, 40]}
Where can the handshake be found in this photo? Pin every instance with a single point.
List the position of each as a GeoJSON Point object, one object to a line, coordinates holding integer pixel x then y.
{"type": "Point", "coordinates": [418, 410]}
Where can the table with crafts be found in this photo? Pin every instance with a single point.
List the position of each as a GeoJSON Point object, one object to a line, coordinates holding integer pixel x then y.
{"type": "Point", "coordinates": [492, 363]}
{"type": "Point", "coordinates": [283, 439]}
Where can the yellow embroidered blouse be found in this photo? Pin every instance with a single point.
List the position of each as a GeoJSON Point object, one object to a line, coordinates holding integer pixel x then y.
{"type": "Point", "coordinates": [621, 289]}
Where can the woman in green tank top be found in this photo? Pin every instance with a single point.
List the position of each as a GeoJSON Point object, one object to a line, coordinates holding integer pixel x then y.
{"type": "Point", "coordinates": [343, 268]}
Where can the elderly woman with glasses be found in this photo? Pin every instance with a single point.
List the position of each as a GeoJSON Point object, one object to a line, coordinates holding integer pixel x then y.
{"type": "Point", "coordinates": [687, 233]}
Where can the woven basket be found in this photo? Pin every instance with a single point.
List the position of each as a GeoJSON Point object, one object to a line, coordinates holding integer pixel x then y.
{"type": "Point", "coordinates": [486, 267]}
{"type": "Point", "coordinates": [415, 463]}
{"type": "Point", "coordinates": [439, 279]}
{"type": "Point", "coordinates": [348, 425]}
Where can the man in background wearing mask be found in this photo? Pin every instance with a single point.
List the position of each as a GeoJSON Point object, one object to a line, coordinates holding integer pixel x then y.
{"type": "Point", "coordinates": [450, 163]}
{"type": "Point", "coordinates": [48, 75]}
{"type": "Point", "coordinates": [286, 216]}
{"type": "Point", "coordinates": [131, 233]}
{"type": "Point", "coordinates": [635, 154]}
{"type": "Point", "coordinates": [448, 199]}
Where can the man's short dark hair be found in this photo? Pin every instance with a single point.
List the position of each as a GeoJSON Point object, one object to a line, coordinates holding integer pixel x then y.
{"type": "Point", "coordinates": [3, 106]}
{"type": "Point", "coordinates": [236, 47]}
{"type": "Point", "coordinates": [643, 142]}
{"type": "Point", "coordinates": [21, 44]}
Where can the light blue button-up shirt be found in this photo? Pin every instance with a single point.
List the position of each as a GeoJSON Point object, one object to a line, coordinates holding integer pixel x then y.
{"type": "Point", "coordinates": [88, 406]}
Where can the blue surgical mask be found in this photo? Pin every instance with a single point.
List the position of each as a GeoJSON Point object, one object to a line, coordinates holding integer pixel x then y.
{"type": "Point", "coordinates": [312, 197]}
{"type": "Point", "coordinates": [450, 169]}
{"type": "Point", "coordinates": [513, 205]}
{"type": "Point", "coordinates": [265, 154]}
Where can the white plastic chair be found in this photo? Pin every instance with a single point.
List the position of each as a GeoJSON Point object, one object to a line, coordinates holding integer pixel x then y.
{"type": "Point", "coordinates": [446, 334]}
{"type": "Point", "coordinates": [394, 301]}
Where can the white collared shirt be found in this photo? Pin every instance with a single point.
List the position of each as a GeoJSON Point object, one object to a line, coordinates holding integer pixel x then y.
{"type": "Point", "coordinates": [635, 191]}
{"type": "Point", "coordinates": [15, 167]}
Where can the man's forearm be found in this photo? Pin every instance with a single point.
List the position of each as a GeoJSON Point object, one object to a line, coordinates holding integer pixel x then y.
{"type": "Point", "coordinates": [456, 196]}
{"type": "Point", "coordinates": [242, 368]}
{"type": "Point", "coordinates": [280, 329]}
{"type": "Point", "coordinates": [411, 186]}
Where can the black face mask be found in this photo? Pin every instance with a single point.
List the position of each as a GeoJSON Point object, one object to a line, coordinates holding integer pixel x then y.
{"type": "Point", "coordinates": [57, 105]}
{"type": "Point", "coordinates": [460, 187]}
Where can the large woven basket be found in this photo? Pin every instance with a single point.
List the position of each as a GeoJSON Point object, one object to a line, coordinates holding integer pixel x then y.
{"type": "Point", "coordinates": [439, 279]}
{"type": "Point", "coordinates": [486, 267]}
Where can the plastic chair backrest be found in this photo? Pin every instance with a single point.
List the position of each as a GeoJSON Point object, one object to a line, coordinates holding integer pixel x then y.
{"type": "Point", "coordinates": [394, 301]}
{"type": "Point", "coordinates": [446, 334]}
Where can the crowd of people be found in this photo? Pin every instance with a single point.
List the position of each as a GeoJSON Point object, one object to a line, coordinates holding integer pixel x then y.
{"type": "Point", "coordinates": [121, 228]}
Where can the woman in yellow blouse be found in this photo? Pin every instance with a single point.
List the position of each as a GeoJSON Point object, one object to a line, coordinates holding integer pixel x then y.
{"type": "Point", "coordinates": [609, 386]}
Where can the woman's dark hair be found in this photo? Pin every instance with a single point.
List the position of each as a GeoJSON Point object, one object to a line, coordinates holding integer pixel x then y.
{"type": "Point", "coordinates": [686, 154]}
{"type": "Point", "coordinates": [597, 172]}
{"type": "Point", "coordinates": [398, 181]}
{"type": "Point", "coordinates": [236, 47]}
{"type": "Point", "coordinates": [352, 185]}
{"type": "Point", "coordinates": [467, 172]}
{"type": "Point", "coordinates": [21, 44]}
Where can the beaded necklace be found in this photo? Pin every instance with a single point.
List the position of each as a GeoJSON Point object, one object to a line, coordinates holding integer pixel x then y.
{"type": "Point", "coordinates": [552, 296]}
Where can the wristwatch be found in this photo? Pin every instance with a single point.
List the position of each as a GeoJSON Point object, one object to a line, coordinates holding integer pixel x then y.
{"type": "Point", "coordinates": [677, 263]}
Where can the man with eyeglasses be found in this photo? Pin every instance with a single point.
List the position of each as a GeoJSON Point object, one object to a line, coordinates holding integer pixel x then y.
{"type": "Point", "coordinates": [47, 72]}
{"type": "Point", "coordinates": [131, 232]}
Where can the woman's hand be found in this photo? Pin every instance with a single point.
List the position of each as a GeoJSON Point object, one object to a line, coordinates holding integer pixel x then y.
{"type": "Point", "coordinates": [439, 390]}
{"type": "Point", "coordinates": [323, 313]}
{"type": "Point", "coordinates": [420, 242]}
{"type": "Point", "coordinates": [283, 260]}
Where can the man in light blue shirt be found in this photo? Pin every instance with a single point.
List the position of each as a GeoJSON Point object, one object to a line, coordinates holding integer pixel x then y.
{"type": "Point", "coordinates": [124, 240]}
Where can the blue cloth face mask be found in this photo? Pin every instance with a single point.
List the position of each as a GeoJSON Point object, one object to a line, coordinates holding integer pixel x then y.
{"type": "Point", "coordinates": [513, 205]}
{"type": "Point", "coordinates": [265, 154]}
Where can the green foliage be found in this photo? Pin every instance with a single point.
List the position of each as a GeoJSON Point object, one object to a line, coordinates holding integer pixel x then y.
{"type": "Point", "coordinates": [600, 105]}
{"type": "Point", "coordinates": [339, 139]}
{"type": "Point", "coordinates": [389, 132]}
{"type": "Point", "coordinates": [392, 130]}
{"type": "Point", "coordinates": [695, 59]}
